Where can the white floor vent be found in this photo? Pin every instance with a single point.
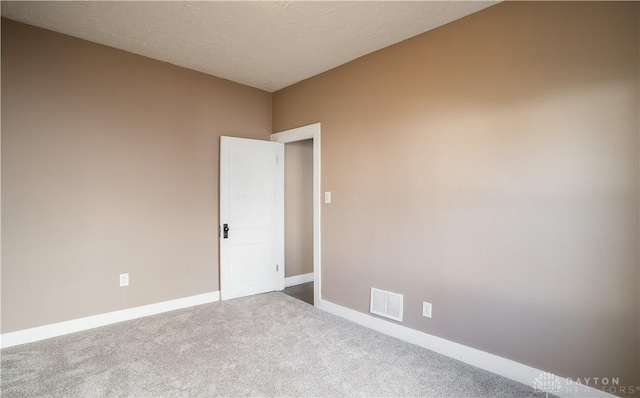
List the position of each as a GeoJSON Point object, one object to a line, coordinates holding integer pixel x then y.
{"type": "Point", "coordinates": [386, 304]}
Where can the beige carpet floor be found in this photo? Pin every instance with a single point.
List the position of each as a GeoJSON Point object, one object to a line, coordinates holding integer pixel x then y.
{"type": "Point", "coordinates": [264, 345]}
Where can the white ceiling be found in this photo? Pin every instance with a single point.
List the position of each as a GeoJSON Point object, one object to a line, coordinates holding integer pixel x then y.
{"type": "Point", "coordinates": [263, 44]}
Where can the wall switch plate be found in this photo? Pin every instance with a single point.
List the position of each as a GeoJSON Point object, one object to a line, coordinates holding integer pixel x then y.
{"type": "Point", "coordinates": [124, 280]}
{"type": "Point", "coordinates": [426, 309]}
{"type": "Point", "coordinates": [327, 197]}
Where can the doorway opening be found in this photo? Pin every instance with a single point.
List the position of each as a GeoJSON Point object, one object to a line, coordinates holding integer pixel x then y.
{"type": "Point", "coordinates": [301, 229]}
{"type": "Point", "coordinates": [298, 220]}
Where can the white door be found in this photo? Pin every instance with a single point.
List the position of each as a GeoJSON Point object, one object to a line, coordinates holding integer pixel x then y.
{"type": "Point", "coordinates": [251, 202]}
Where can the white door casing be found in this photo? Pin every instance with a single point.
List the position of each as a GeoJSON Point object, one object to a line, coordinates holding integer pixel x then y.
{"type": "Point", "coordinates": [311, 131]}
{"type": "Point", "coordinates": [252, 208]}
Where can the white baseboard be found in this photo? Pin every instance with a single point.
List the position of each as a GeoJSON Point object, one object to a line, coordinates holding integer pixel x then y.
{"type": "Point", "coordinates": [298, 279]}
{"type": "Point", "coordinates": [94, 321]}
{"type": "Point", "coordinates": [504, 367]}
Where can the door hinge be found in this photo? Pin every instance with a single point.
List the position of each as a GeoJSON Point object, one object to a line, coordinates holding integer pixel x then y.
{"type": "Point", "coordinates": [277, 268]}
{"type": "Point", "coordinates": [277, 158]}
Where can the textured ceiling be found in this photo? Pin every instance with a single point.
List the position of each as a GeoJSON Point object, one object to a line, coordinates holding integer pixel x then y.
{"type": "Point", "coordinates": [263, 44]}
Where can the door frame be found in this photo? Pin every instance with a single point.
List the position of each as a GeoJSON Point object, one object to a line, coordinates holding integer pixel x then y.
{"type": "Point", "coordinates": [311, 131]}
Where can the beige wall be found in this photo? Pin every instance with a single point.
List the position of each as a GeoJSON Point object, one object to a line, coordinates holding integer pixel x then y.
{"type": "Point", "coordinates": [298, 212]}
{"type": "Point", "coordinates": [109, 165]}
{"type": "Point", "coordinates": [491, 167]}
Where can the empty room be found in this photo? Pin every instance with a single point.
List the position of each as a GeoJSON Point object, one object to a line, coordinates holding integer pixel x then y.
{"type": "Point", "coordinates": [320, 199]}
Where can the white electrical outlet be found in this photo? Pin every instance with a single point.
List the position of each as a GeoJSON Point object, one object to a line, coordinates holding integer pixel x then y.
{"type": "Point", "coordinates": [124, 280]}
{"type": "Point", "coordinates": [426, 309]}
